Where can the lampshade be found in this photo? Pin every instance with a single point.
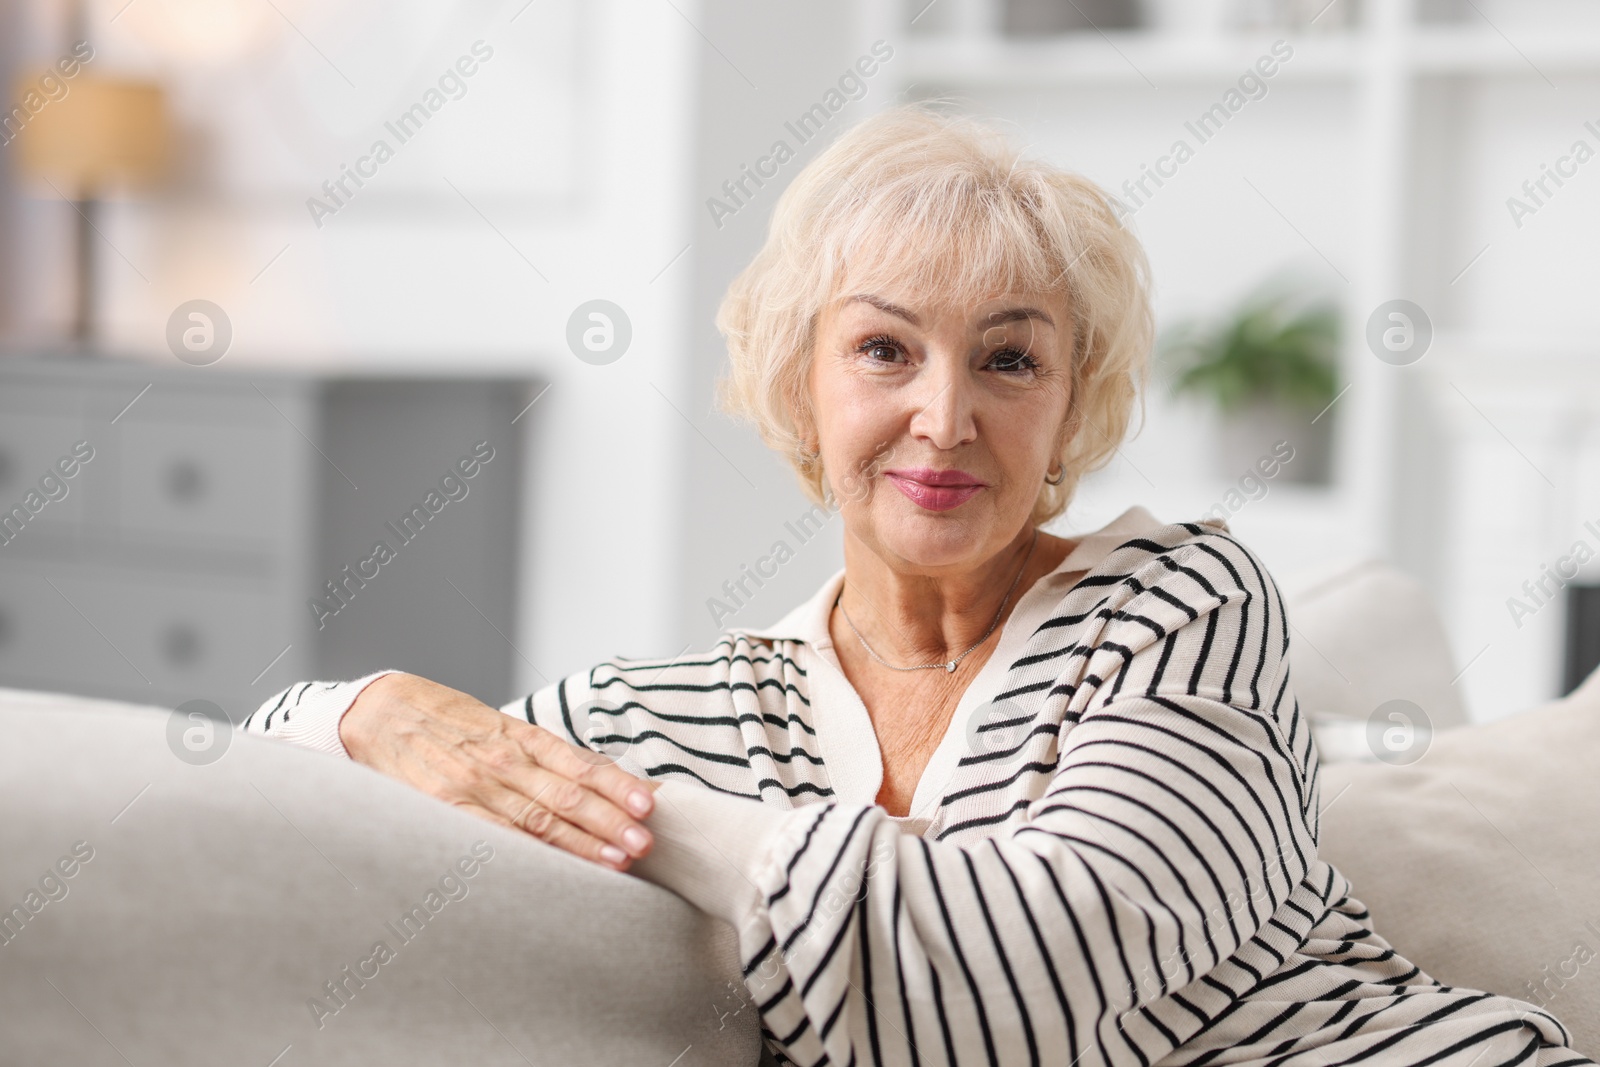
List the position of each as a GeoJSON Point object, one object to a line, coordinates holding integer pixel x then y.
{"type": "Point", "coordinates": [104, 132]}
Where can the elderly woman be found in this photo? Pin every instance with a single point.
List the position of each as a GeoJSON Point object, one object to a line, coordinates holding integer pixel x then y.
{"type": "Point", "coordinates": [990, 795]}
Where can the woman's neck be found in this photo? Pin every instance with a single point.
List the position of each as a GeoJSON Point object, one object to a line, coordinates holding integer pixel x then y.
{"type": "Point", "coordinates": [912, 618]}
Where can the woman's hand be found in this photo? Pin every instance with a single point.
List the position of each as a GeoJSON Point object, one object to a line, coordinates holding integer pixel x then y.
{"type": "Point", "coordinates": [464, 752]}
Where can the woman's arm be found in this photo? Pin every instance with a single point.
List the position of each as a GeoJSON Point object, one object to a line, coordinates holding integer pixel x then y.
{"type": "Point", "coordinates": [494, 764]}
{"type": "Point", "coordinates": [1177, 819]}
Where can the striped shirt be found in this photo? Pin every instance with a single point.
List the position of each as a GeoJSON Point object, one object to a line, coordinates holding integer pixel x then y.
{"type": "Point", "coordinates": [1111, 857]}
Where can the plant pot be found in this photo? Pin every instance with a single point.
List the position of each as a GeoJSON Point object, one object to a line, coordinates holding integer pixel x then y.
{"type": "Point", "coordinates": [1247, 436]}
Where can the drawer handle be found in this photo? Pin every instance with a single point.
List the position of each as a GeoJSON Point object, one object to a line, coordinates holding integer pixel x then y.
{"type": "Point", "coordinates": [186, 481]}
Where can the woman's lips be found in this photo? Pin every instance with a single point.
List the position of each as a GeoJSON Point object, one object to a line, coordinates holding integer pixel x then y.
{"type": "Point", "coordinates": [935, 490]}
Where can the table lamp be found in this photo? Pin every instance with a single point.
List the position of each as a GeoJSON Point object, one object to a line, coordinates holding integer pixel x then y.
{"type": "Point", "coordinates": [105, 133]}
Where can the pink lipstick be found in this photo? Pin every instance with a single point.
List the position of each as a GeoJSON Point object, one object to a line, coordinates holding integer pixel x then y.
{"type": "Point", "coordinates": [935, 490]}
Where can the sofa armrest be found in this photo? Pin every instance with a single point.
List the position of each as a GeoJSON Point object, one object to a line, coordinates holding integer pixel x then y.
{"type": "Point", "coordinates": [221, 912]}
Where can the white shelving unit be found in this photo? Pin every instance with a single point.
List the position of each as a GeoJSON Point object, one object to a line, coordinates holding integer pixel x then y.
{"type": "Point", "coordinates": [1123, 57]}
{"type": "Point", "coordinates": [1117, 58]}
{"type": "Point", "coordinates": [1401, 220]}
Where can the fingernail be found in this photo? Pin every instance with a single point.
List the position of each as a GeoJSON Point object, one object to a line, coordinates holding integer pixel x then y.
{"type": "Point", "coordinates": [639, 801]}
{"type": "Point", "coordinates": [636, 838]}
{"type": "Point", "coordinates": [613, 855]}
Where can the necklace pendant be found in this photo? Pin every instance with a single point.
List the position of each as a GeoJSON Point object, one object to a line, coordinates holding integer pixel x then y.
{"type": "Point", "coordinates": [950, 668]}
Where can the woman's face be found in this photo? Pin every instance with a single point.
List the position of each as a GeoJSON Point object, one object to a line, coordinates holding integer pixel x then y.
{"type": "Point", "coordinates": [938, 421]}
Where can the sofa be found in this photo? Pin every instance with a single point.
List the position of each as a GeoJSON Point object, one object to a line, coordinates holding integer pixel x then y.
{"type": "Point", "coordinates": [228, 912]}
{"type": "Point", "coordinates": [193, 897]}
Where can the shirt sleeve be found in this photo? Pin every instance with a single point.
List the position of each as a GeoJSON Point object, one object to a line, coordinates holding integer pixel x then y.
{"type": "Point", "coordinates": [308, 713]}
{"type": "Point", "coordinates": [1177, 818]}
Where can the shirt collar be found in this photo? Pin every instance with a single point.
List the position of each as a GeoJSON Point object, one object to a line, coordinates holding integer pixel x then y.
{"type": "Point", "coordinates": [808, 621]}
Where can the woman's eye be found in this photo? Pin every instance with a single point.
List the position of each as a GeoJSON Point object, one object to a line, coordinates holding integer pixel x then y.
{"type": "Point", "coordinates": [1010, 359]}
{"type": "Point", "coordinates": [880, 350]}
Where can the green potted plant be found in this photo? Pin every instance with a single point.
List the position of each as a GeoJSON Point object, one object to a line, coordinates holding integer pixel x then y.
{"type": "Point", "coordinates": [1270, 369]}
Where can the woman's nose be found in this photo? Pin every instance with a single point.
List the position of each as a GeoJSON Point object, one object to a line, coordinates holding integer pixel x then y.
{"type": "Point", "coordinates": [944, 405]}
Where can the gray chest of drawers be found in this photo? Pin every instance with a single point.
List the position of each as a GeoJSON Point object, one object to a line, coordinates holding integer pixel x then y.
{"type": "Point", "coordinates": [170, 534]}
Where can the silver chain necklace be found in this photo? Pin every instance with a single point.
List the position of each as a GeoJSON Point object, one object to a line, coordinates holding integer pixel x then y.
{"type": "Point", "coordinates": [951, 665]}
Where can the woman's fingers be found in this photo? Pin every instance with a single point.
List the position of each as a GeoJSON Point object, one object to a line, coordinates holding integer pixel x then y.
{"type": "Point", "coordinates": [582, 794]}
{"type": "Point", "coordinates": [533, 791]}
{"type": "Point", "coordinates": [552, 830]}
{"type": "Point", "coordinates": [548, 824]}
{"type": "Point", "coordinates": [592, 770]}
{"type": "Point", "coordinates": [489, 799]}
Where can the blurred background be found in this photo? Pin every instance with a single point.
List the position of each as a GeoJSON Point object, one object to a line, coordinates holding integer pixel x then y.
{"type": "Point", "coordinates": [284, 281]}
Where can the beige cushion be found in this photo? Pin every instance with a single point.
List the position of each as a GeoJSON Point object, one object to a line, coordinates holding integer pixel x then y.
{"type": "Point", "coordinates": [1480, 862]}
{"type": "Point", "coordinates": [219, 899]}
{"type": "Point", "coordinates": [1365, 633]}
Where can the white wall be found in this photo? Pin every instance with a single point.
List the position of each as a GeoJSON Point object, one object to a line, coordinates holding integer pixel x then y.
{"type": "Point", "coordinates": [770, 62]}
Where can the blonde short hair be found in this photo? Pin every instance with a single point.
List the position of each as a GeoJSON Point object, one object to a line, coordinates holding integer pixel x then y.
{"type": "Point", "coordinates": [930, 202]}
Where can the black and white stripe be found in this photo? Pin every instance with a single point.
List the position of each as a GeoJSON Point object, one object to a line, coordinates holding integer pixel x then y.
{"type": "Point", "coordinates": [1124, 871]}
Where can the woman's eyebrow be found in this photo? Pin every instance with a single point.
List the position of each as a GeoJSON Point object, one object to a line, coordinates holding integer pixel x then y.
{"type": "Point", "coordinates": [885, 306]}
{"type": "Point", "coordinates": [994, 318]}
{"type": "Point", "coordinates": [1018, 314]}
